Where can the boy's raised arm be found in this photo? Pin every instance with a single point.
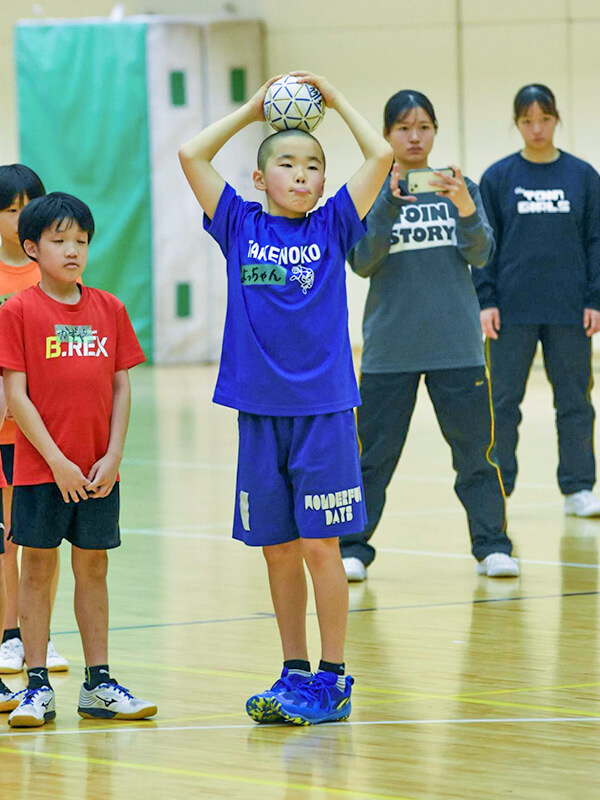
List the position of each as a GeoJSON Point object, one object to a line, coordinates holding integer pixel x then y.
{"type": "Point", "coordinates": [366, 182]}
{"type": "Point", "coordinates": [197, 154]}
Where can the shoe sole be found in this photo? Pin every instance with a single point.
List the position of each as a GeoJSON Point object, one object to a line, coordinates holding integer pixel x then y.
{"type": "Point", "coordinates": [297, 719]}
{"type": "Point", "coordinates": [10, 670]}
{"type": "Point", "coordinates": [23, 721]}
{"type": "Point", "coordinates": [59, 668]}
{"type": "Point", "coordinates": [261, 709]}
{"type": "Point", "coordinates": [8, 705]}
{"type": "Point", "coordinates": [101, 713]}
{"type": "Point", "coordinates": [593, 515]}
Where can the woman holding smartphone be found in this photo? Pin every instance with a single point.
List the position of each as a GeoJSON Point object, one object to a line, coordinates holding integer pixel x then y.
{"type": "Point", "coordinates": [422, 318]}
{"type": "Point", "coordinates": [543, 284]}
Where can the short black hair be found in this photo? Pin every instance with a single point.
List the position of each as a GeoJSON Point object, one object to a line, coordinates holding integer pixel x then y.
{"type": "Point", "coordinates": [399, 104]}
{"type": "Point", "coordinates": [17, 182]}
{"type": "Point", "coordinates": [54, 209]}
{"type": "Point", "coordinates": [266, 147]}
{"type": "Point", "coordinates": [535, 93]}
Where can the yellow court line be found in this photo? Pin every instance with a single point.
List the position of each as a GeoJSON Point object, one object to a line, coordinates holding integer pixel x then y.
{"type": "Point", "coordinates": [550, 688]}
{"type": "Point", "coordinates": [491, 703]}
{"type": "Point", "coordinates": [106, 762]}
{"type": "Point", "coordinates": [169, 668]}
{"type": "Point", "coordinates": [366, 689]}
{"type": "Point", "coordinates": [531, 706]}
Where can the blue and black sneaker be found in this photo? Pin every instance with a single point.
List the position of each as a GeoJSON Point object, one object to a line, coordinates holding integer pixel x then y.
{"type": "Point", "coordinates": [261, 706]}
{"type": "Point", "coordinates": [316, 700]}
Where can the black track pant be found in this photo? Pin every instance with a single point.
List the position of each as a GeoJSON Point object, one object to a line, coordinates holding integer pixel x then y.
{"type": "Point", "coordinates": [461, 400]}
{"type": "Point", "coordinates": [568, 361]}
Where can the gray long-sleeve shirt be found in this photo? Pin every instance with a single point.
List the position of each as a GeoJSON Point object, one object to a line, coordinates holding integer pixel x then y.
{"type": "Point", "coordinates": [422, 311]}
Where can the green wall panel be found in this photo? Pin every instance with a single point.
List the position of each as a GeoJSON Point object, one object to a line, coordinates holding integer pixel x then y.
{"type": "Point", "coordinates": [83, 126]}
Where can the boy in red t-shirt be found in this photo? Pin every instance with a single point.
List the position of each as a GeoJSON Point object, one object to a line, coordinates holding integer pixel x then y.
{"type": "Point", "coordinates": [18, 186]}
{"type": "Point", "coordinates": [65, 350]}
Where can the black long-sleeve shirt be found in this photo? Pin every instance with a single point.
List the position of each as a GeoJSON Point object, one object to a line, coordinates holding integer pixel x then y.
{"type": "Point", "coordinates": [546, 220]}
{"type": "Point", "coordinates": [421, 312]}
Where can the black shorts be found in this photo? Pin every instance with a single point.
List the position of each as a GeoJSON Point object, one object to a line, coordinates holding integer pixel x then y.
{"type": "Point", "coordinates": [42, 519]}
{"type": "Point", "coordinates": [7, 454]}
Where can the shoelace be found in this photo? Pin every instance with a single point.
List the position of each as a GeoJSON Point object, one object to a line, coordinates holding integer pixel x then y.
{"type": "Point", "coordinates": [30, 696]}
{"type": "Point", "coordinates": [112, 684]}
{"type": "Point", "coordinates": [315, 689]}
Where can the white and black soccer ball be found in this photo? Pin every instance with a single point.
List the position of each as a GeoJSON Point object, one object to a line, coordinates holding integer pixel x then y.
{"type": "Point", "coordinates": [289, 104]}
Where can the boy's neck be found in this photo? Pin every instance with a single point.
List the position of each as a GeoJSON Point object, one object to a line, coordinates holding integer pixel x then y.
{"type": "Point", "coordinates": [67, 293]}
{"type": "Point", "coordinates": [13, 254]}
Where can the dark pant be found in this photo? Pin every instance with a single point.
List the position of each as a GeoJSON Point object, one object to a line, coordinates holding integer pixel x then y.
{"type": "Point", "coordinates": [568, 363]}
{"type": "Point", "coordinates": [462, 403]}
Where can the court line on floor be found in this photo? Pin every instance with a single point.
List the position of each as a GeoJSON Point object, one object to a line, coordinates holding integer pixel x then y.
{"type": "Point", "coordinates": [157, 728]}
{"type": "Point", "coordinates": [205, 465]}
{"type": "Point", "coordinates": [191, 773]}
{"type": "Point", "coordinates": [177, 534]}
{"type": "Point", "coordinates": [259, 615]}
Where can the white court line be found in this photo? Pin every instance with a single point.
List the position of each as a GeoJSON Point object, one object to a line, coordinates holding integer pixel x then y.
{"type": "Point", "coordinates": [203, 465]}
{"type": "Point", "coordinates": [215, 537]}
{"type": "Point", "coordinates": [365, 723]}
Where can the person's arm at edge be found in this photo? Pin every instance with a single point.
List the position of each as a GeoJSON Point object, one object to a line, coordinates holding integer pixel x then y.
{"type": "Point", "coordinates": [69, 478]}
{"type": "Point", "coordinates": [103, 474]}
{"type": "Point", "coordinates": [197, 154]}
{"type": "Point", "coordinates": [485, 278]}
{"type": "Point", "coordinates": [591, 312]}
{"type": "Point", "coordinates": [475, 236]}
{"type": "Point", "coordinates": [370, 252]}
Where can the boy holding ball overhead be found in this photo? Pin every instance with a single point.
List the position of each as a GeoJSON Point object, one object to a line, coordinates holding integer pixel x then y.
{"type": "Point", "coordinates": [286, 366]}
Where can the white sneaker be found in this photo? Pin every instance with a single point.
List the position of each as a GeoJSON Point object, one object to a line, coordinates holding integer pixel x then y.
{"type": "Point", "coordinates": [498, 565]}
{"type": "Point", "coordinates": [109, 700]}
{"type": "Point", "coordinates": [9, 700]}
{"type": "Point", "coordinates": [36, 708]}
{"type": "Point", "coordinates": [355, 569]}
{"type": "Point", "coordinates": [582, 504]}
{"type": "Point", "coordinates": [12, 656]}
{"type": "Point", "coordinates": [54, 661]}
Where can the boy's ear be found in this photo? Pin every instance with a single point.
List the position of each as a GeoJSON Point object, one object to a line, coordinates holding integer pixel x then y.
{"type": "Point", "coordinates": [258, 179]}
{"type": "Point", "coordinates": [31, 249]}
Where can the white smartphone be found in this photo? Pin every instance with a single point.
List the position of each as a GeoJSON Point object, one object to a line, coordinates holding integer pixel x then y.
{"type": "Point", "coordinates": [419, 180]}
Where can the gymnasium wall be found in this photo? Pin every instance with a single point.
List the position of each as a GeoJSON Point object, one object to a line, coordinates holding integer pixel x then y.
{"type": "Point", "coordinates": [469, 56]}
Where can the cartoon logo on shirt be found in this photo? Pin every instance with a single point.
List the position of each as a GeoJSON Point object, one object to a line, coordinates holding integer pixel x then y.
{"type": "Point", "coordinates": [272, 265]}
{"type": "Point", "coordinates": [305, 277]}
{"type": "Point", "coordinates": [542, 201]}
{"type": "Point", "coordinates": [422, 227]}
{"type": "Point", "coordinates": [337, 507]}
{"type": "Point", "coordinates": [75, 340]}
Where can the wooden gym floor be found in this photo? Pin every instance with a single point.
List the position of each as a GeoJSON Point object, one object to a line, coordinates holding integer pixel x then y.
{"type": "Point", "coordinates": [466, 687]}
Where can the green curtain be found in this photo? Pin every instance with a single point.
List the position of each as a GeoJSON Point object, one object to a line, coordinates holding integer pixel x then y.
{"type": "Point", "coordinates": [83, 126]}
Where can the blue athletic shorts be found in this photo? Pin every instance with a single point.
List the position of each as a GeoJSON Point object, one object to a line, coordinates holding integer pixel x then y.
{"type": "Point", "coordinates": [298, 477]}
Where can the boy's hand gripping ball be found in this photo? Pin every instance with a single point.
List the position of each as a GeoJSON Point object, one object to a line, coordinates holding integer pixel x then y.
{"type": "Point", "coordinates": [289, 104]}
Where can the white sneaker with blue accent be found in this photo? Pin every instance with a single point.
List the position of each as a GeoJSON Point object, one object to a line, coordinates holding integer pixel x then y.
{"type": "Point", "coordinates": [9, 700]}
{"type": "Point", "coordinates": [109, 700]}
{"type": "Point", "coordinates": [35, 709]}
